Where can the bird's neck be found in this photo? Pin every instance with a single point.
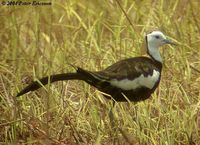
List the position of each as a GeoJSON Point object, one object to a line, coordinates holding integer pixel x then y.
{"type": "Point", "coordinates": [153, 51]}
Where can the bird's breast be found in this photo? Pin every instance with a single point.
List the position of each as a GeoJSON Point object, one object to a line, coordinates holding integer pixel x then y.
{"type": "Point", "coordinates": [148, 81]}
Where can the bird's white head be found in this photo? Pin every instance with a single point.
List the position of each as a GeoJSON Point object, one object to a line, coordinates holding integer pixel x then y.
{"type": "Point", "coordinates": [154, 40]}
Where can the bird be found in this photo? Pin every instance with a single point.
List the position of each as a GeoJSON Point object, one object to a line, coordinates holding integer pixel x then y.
{"type": "Point", "coordinates": [132, 79]}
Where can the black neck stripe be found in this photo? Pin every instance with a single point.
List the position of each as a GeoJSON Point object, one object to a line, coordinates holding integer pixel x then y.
{"type": "Point", "coordinates": [147, 47]}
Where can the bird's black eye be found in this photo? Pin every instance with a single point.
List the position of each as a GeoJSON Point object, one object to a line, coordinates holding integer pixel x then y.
{"type": "Point", "coordinates": [157, 37]}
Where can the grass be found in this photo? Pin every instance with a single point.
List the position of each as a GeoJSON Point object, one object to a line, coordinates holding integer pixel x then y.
{"type": "Point", "coordinates": [42, 40]}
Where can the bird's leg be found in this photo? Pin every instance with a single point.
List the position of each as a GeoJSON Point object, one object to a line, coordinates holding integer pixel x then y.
{"type": "Point", "coordinates": [112, 117]}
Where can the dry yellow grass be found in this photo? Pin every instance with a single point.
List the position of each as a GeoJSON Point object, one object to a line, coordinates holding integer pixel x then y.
{"type": "Point", "coordinates": [42, 40]}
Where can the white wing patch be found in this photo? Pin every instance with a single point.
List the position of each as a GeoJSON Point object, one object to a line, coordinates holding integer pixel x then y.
{"type": "Point", "coordinates": [141, 81]}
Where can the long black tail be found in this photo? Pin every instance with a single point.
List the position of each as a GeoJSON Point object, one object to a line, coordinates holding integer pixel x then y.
{"type": "Point", "coordinates": [50, 79]}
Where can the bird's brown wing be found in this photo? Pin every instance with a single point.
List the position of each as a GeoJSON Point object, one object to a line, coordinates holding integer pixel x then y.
{"type": "Point", "coordinates": [127, 69]}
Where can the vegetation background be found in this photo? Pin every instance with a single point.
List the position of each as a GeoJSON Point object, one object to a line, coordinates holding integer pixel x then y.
{"type": "Point", "coordinates": [37, 41]}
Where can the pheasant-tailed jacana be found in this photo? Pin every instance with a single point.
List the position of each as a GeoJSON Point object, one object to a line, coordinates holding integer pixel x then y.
{"type": "Point", "coordinates": [134, 78]}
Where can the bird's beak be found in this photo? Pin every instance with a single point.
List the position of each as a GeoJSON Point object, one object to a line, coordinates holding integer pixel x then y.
{"type": "Point", "coordinates": [167, 41]}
